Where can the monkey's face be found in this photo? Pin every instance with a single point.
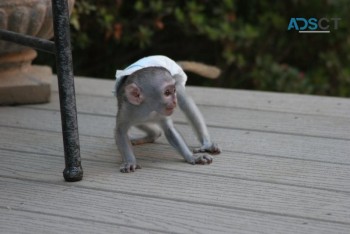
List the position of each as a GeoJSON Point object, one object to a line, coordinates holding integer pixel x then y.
{"type": "Point", "coordinates": [153, 90]}
{"type": "Point", "coordinates": [169, 99]}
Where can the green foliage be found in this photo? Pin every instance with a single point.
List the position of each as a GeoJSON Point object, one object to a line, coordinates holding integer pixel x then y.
{"type": "Point", "coordinates": [248, 40]}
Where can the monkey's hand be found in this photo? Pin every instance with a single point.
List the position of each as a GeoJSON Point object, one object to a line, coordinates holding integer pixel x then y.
{"type": "Point", "coordinates": [211, 148]}
{"type": "Point", "coordinates": [129, 167]}
{"type": "Point", "coordinates": [202, 159]}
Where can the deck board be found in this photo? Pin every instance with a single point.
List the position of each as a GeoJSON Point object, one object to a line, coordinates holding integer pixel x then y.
{"type": "Point", "coordinates": [285, 168]}
{"type": "Point", "coordinates": [229, 117]}
{"type": "Point", "coordinates": [239, 140]}
{"type": "Point", "coordinates": [251, 100]}
{"type": "Point", "coordinates": [148, 213]}
{"type": "Point", "coordinates": [40, 222]}
{"type": "Point", "coordinates": [256, 167]}
{"type": "Point", "coordinates": [191, 187]}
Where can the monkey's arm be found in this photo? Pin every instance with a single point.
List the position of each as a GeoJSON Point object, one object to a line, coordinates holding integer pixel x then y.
{"type": "Point", "coordinates": [189, 107]}
{"type": "Point", "coordinates": [176, 140]}
{"type": "Point", "coordinates": [125, 149]}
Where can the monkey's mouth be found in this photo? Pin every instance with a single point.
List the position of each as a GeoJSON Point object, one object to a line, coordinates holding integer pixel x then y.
{"type": "Point", "coordinates": [169, 110]}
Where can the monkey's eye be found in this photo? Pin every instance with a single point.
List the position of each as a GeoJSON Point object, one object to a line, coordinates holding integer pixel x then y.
{"type": "Point", "coordinates": [167, 92]}
{"type": "Point", "coordinates": [170, 91]}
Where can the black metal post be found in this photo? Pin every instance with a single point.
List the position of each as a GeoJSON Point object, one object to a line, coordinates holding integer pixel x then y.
{"type": "Point", "coordinates": [73, 170]}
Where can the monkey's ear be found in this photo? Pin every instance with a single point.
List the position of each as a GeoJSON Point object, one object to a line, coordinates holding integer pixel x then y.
{"type": "Point", "coordinates": [133, 94]}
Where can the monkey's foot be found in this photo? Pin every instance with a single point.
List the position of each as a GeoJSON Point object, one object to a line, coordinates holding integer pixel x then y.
{"type": "Point", "coordinates": [142, 140]}
{"type": "Point", "coordinates": [129, 167]}
{"type": "Point", "coordinates": [211, 148]}
{"type": "Point", "coordinates": [202, 159]}
{"type": "Point", "coordinates": [152, 134]}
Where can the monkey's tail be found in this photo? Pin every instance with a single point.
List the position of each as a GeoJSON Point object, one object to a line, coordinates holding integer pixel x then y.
{"type": "Point", "coordinates": [201, 69]}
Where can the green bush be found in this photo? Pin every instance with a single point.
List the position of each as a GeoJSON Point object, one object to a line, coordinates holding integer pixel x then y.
{"type": "Point", "coordinates": [248, 40]}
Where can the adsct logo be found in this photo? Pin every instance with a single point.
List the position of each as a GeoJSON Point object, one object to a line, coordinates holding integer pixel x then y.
{"type": "Point", "coordinates": [313, 25]}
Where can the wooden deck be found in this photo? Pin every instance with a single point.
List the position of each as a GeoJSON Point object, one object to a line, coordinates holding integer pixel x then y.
{"type": "Point", "coordinates": [285, 168]}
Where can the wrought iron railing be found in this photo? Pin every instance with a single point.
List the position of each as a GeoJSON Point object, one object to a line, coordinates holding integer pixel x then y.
{"type": "Point", "coordinates": [61, 48]}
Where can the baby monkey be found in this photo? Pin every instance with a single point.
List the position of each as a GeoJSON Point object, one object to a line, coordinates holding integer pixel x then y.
{"type": "Point", "coordinates": [148, 92]}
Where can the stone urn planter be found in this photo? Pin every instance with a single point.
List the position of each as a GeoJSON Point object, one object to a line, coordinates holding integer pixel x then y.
{"type": "Point", "coordinates": [20, 82]}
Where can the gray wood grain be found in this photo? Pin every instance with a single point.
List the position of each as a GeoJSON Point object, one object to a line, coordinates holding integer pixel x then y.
{"type": "Point", "coordinates": [257, 100]}
{"type": "Point", "coordinates": [198, 188]}
{"type": "Point", "coordinates": [137, 212]}
{"type": "Point", "coordinates": [231, 117]}
{"type": "Point", "coordinates": [285, 168]}
{"type": "Point", "coordinates": [255, 167]}
{"type": "Point", "coordinates": [247, 141]}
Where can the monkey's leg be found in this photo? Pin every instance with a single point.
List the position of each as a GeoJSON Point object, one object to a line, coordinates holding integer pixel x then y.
{"type": "Point", "coordinates": [176, 140]}
{"type": "Point", "coordinates": [189, 107]}
{"type": "Point", "coordinates": [152, 133]}
{"type": "Point", "coordinates": [125, 148]}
